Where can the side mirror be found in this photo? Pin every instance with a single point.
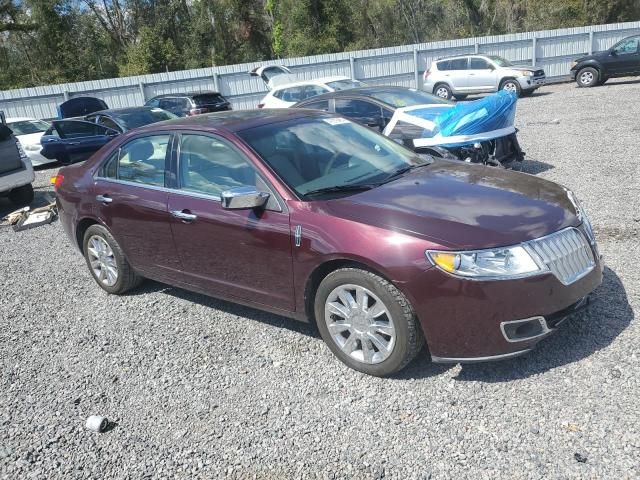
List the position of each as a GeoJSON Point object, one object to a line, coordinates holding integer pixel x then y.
{"type": "Point", "coordinates": [491, 67]}
{"type": "Point", "coordinates": [242, 198]}
{"type": "Point", "coordinates": [613, 53]}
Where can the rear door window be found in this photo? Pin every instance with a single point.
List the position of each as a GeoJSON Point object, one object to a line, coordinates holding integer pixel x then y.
{"type": "Point", "coordinates": [357, 108]}
{"type": "Point", "coordinates": [208, 99]}
{"type": "Point", "coordinates": [458, 64]}
{"type": "Point", "coordinates": [291, 94]}
{"type": "Point", "coordinates": [142, 160]}
{"type": "Point", "coordinates": [72, 129]}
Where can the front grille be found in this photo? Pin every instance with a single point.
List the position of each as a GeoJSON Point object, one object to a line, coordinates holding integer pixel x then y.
{"type": "Point", "coordinates": [566, 253]}
{"type": "Point", "coordinates": [538, 73]}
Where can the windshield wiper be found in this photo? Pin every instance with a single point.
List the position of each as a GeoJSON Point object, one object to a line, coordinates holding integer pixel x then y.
{"type": "Point", "coordinates": [403, 170]}
{"type": "Point", "coordinates": [356, 187]}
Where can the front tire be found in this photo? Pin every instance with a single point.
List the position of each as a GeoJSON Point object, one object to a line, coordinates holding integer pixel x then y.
{"type": "Point", "coordinates": [367, 322]}
{"type": "Point", "coordinates": [107, 262]}
{"type": "Point", "coordinates": [587, 77]}
{"type": "Point", "coordinates": [511, 86]}
{"type": "Point", "coordinates": [22, 195]}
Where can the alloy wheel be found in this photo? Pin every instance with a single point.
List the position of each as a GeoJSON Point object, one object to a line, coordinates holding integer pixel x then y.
{"type": "Point", "coordinates": [360, 324]}
{"type": "Point", "coordinates": [102, 260]}
{"type": "Point", "coordinates": [510, 87]}
{"type": "Point", "coordinates": [442, 93]}
{"type": "Point", "coordinates": [586, 78]}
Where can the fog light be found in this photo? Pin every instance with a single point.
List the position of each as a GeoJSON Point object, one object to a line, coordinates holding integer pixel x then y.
{"type": "Point", "coordinates": [527, 329]}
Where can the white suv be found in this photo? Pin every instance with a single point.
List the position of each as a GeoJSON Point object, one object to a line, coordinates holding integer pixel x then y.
{"type": "Point", "coordinates": [472, 74]}
{"type": "Point", "coordinates": [285, 90]}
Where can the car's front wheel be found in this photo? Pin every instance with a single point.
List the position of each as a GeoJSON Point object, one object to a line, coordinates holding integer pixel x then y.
{"type": "Point", "coordinates": [367, 322]}
{"type": "Point", "coordinates": [107, 262]}
{"type": "Point", "coordinates": [511, 86]}
{"type": "Point", "coordinates": [587, 77]}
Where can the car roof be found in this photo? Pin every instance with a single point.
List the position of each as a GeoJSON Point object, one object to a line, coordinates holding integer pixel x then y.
{"type": "Point", "coordinates": [315, 81]}
{"type": "Point", "coordinates": [188, 94]}
{"type": "Point", "coordinates": [116, 111]}
{"type": "Point", "coordinates": [237, 120]}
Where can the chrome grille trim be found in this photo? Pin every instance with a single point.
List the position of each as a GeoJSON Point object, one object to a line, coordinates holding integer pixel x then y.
{"type": "Point", "coordinates": [567, 254]}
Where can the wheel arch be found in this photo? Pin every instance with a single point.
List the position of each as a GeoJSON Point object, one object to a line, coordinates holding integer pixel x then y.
{"type": "Point", "coordinates": [81, 228]}
{"type": "Point", "coordinates": [506, 79]}
{"type": "Point", "coordinates": [328, 266]}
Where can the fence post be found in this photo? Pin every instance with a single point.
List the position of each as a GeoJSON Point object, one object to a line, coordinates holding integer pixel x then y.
{"type": "Point", "coordinates": [216, 82]}
{"type": "Point", "coordinates": [591, 41]}
{"type": "Point", "coordinates": [534, 51]}
{"type": "Point", "coordinates": [65, 95]}
{"type": "Point", "coordinates": [476, 48]}
{"type": "Point", "coordinates": [352, 67]}
{"type": "Point", "coordinates": [416, 75]}
{"type": "Point", "coordinates": [144, 95]}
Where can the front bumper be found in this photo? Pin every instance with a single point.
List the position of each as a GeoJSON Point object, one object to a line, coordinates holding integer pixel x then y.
{"type": "Point", "coordinates": [531, 83]}
{"type": "Point", "coordinates": [463, 319]}
{"type": "Point", "coordinates": [551, 324]}
{"type": "Point", "coordinates": [574, 74]}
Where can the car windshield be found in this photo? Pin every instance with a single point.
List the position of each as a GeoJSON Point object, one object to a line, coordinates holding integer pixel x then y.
{"type": "Point", "coordinates": [27, 127]}
{"type": "Point", "coordinates": [140, 118]}
{"type": "Point", "coordinates": [501, 62]}
{"type": "Point", "coordinates": [345, 84]}
{"type": "Point", "coordinates": [407, 98]}
{"type": "Point", "coordinates": [319, 153]}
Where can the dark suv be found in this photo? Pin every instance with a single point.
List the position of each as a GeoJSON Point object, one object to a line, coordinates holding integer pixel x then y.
{"type": "Point", "coordinates": [189, 104]}
{"type": "Point", "coordinates": [621, 60]}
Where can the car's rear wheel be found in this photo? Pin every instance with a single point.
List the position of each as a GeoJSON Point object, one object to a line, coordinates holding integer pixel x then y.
{"type": "Point", "coordinates": [443, 91]}
{"type": "Point", "coordinates": [22, 195]}
{"type": "Point", "coordinates": [587, 77]}
{"type": "Point", "coordinates": [367, 322]}
{"type": "Point", "coordinates": [107, 262]}
{"type": "Point", "coordinates": [511, 86]}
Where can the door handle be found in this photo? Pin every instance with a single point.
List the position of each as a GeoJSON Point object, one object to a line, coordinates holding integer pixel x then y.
{"type": "Point", "coordinates": [106, 199]}
{"type": "Point", "coordinates": [73, 143]}
{"type": "Point", "coordinates": [183, 215]}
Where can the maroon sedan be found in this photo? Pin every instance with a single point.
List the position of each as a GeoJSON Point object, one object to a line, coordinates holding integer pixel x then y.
{"type": "Point", "coordinates": [309, 215]}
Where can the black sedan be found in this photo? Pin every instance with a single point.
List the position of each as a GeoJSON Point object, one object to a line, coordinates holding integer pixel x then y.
{"type": "Point", "coordinates": [75, 139]}
{"type": "Point", "coordinates": [391, 111]}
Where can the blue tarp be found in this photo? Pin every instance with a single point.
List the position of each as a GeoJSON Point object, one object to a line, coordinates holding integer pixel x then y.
{"type": "Point", "coordinates": [482, 119]}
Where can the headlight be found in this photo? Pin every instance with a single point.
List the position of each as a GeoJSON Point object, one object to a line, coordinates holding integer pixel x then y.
{"type": "Point", "coordinates": [573, 64]}
{"type": "Point", "coordinates": [527, 74]}
{"type": "Point", "coordinates": [495, 264]}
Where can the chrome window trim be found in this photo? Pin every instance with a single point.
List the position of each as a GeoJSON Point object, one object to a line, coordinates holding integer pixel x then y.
{"type": "Point", "coordinates": [544, 270]}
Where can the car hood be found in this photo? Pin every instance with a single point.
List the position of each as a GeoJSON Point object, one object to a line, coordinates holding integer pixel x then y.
{"type": "Point", "coordinates": [30, 139]}
{"type": "Point", "coordinates": [525, 69]}
{"type": "Point", "coordinates": [463, 206]}
{"type": "Point", "coordinates": [594, 56]}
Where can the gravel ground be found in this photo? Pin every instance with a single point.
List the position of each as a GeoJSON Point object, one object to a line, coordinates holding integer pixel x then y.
{"type": "Point", "coordinates": [199, 388]}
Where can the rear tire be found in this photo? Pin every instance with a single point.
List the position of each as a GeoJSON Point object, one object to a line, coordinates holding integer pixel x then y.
{"type": "Point", "coordinates": [22, 195]}
{"type": "Point", "coordinates": [588, 77]}
{"type": "Point", "coordinates": [107, 262]}
{"type": "Point", "coordinates": [383, 333]}
{"type": "Point", "coordinates": [443, 91]}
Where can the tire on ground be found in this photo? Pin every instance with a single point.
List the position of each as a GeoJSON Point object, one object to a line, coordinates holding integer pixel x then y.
{"type": "Point", "coordinates": [127, 277]}
{"type": "Point", "coordinates": [409, 338]}
{"type": "Point", "coordinates": [442, 90]}
{"type": "Point", "coordinates": [515, 86]}
{"type": "Point", "coordinates": [587, 77]}
{"type": "Point", "coordinates": [22, 195]}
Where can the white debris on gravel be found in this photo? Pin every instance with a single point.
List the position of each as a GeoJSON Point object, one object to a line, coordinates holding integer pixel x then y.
{"type": "Point", "coordinates": [205, 389]}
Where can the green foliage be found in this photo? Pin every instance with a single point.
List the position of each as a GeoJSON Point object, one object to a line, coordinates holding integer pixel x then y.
{"type": "Point", "coordinates": [51, 41]}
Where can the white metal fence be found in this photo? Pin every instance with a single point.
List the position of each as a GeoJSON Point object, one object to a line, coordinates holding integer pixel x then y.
{"type": "Point", "coordinates": [551, 49]}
